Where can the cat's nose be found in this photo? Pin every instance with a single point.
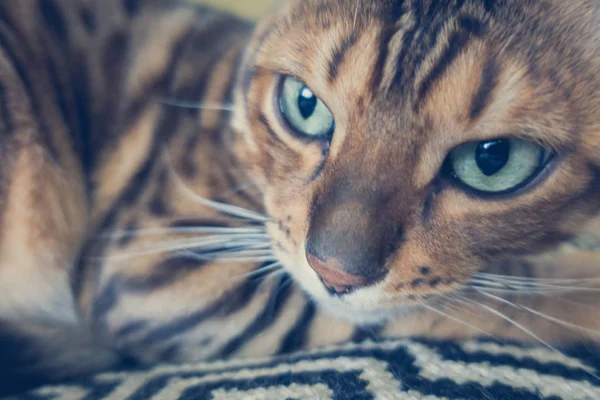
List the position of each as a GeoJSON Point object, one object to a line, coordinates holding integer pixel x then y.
{"type": "Point", "coordinates": [335, 278]}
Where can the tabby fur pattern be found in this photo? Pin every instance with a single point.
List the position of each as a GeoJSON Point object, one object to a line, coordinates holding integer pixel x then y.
{"type": "Point", "coordinates": [156, 208]}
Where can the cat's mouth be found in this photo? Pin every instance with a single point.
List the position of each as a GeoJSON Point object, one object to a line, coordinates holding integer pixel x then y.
{"type": "Point", "coordinates": [356, 299]}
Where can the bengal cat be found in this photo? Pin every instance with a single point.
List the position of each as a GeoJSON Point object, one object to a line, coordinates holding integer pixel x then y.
{"type": "Point", "coordinates": [178, 185]}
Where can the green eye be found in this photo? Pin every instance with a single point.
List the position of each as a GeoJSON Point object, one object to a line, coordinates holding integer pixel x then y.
{"type": "Point", "coordinates": [497, 166]}
{"type": "Point", "coordinates": [304, 111]}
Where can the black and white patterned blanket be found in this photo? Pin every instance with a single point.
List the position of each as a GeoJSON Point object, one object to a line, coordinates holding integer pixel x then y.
{"type": "Point", "coordinates": [401, 369]}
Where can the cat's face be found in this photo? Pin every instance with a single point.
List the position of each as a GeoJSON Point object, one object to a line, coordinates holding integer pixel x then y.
{"type": "Point", "coordinates": [406, 144]}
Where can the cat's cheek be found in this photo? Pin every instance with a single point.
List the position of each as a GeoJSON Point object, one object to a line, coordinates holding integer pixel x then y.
{"type": "Point", "coordinates": [414, 272]}
{"type": "Point", "coordinates": [288, 212]}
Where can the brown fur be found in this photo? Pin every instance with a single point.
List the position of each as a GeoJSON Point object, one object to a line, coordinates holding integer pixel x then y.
{"type": "Point", "coordinates": [95, 160]}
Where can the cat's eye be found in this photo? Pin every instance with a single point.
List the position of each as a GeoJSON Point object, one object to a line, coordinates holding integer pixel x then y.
{"type": "Point", "coordinates": [497, 166]}
{"type": "Point", "coordinates": [304, 111]}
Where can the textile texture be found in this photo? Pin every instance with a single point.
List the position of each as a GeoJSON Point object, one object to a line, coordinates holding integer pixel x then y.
{"type": "Point", "coordinates": [401, 369]}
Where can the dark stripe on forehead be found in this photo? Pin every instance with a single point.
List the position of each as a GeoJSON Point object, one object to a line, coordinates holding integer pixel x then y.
{"type": "Point", "coordinates": [407, 41]}
{"type": "Point", "coordinates": [384, 47]}
{"type": "Point", "coordinates": [483, 96]}
{"type": "Point", "coordinates": [469, 28]}
{"type": "Point", "coordinates": [396, 12]}
{"type": "Point", "coordinates": [339, 55]}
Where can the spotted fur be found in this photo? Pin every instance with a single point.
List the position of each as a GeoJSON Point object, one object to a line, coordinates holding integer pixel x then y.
{"type": "Point", "coordinates": [154, 206]}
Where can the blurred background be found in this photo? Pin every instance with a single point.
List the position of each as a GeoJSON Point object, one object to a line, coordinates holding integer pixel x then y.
{"type": "Point", "coordinates": [247, 8]}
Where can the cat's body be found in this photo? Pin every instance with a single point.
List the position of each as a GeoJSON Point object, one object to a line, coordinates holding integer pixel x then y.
{"type": "Point", "coordinates": [110, 250]}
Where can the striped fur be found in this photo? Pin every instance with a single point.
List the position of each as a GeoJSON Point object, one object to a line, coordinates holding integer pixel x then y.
{"type": "Point", "coordinates": [120, 118]}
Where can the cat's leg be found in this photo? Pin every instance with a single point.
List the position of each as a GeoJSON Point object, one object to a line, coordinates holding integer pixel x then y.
{"type": "Point", "coordinates": [43, 215]}
{"type": "Point", "coordinates": [53, 83]}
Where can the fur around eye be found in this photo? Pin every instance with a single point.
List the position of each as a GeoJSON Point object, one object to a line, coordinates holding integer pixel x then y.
{"type": "Point", "coordinates": [499, 166]}
{"type": "Point", "coordinates": [304, 112]}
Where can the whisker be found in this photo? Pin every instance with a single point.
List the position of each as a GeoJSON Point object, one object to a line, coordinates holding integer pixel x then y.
{"type": "Point", "coordinates": [535, 292]}
{"type": "Point", "coordinates": [269, 268]}
{"type": "Point", "coordinates": [452, 318]}
{"type": "Point", "coordinates": [200, 106]}
{"type": "Point", "coordinates": [468, 308]}
{"type": "Point", "coordinates": [532, 287]}
{"type": "Point", "coordinates": [230, 256]}
{"type": "Point", "coordinates": [490, 283]}
{"type": "Point", "coordinates": [183, 230]}
{"type": "Point", "coordinates": [519, 326]}
{"type": "Point", "coordinates": [194, 244]}
{"type": "Point", "coordinates": [227, 208]}
{"type": "Point", "coordinates": [355, 15]}
{"type": "Point", "coordinates": [198, 242]}
{"type": "Point", "coordinates": [577, 303]}
{"type": "Point", "coordinates": [243, 260]}
{"type": "Point", "coordinates": [243, 187]}
{"type": "Point", "coordinates": [278, 273]}
{"type": "Point", "coordinates": [539, 314]}
{"type": "Point", "coordinates": [508, 278]}
{"type": "Point", "coordinates": [516, 288]}
{"type": "Point", "coordinates": [222, 207]}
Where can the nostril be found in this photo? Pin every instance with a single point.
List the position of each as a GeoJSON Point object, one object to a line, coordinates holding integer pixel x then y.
{"type": "Point", "coordinates": [339, 290]}
{"type": "Point", "coordinates": [335, 278]}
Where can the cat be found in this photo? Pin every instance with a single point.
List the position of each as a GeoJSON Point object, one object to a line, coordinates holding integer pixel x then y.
{"type": "Point", "coordinates": [180, 185]}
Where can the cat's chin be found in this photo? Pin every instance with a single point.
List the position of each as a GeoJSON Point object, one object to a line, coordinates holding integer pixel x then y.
{"type": "Point", "coordinates": [362, 316]}
{"type": "Point", "coordinates": [367, 306]}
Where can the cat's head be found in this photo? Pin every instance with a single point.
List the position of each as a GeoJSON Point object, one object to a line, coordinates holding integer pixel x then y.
{"type": "Point", "coordinates": [405, 144]}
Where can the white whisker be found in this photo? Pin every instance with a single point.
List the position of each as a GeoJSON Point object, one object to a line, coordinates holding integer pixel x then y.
{"type": "Point", "coordinates": [221, 207]}
{"type": "Point", "coordinates": [539, 314]}
{"type": "Point", "coordinates": [515, 323]}
{"type": "Point", "coordinates": [531, 287]}
{"type": "Point", "coordinates": [244, 259]}
{"type": "Point", "coordinates": [200, 106]}
{"type": "Point", "coordinates": [509, 286]}
{"type": "Point", "coordinates": [226, 208]}
{"type": "Point", "coordinates": [183, 230]}
{"type": "Point", "coordinates": [355, 15]}
{"type": "Point", "coordinates": [280, 272]}
{"type": "Point", "coordinates": [523, 292]}
{"type": "Point", "coordinates": [243, 187]}
{"type": "Point", "coordinates": [452, 318]}
{"type": "Point", "coordinates": [510, 279]}
{"type": "Point", "coordinates": [269, 268]}
{"type": "Point", "coordinates": [235, 253]}
{"type": "Point", "coordinates": [468, 308]}
{"type": "Point", "coordinates": [210, 243]}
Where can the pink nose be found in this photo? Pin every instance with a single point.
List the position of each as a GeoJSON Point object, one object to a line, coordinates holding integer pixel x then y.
{"type": "Point", "coordinates": [334, 277]}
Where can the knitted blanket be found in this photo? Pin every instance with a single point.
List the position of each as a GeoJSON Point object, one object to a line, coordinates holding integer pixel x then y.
{"type": "Point", "coordinates": [400, 369]}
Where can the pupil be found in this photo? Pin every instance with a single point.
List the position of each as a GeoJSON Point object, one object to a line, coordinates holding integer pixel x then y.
{"type": "Point", "coordinates": [492, 156]}
{"type": "Point", "coordinates": [307, 102]}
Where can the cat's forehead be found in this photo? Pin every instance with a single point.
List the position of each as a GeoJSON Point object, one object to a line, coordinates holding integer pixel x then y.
{"type": "Point", "coordinates": [425, 76]}
{"type": "Point", "coordinates": [448, 55]}
{"type": "Point", "coordinates": [420, 19]}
